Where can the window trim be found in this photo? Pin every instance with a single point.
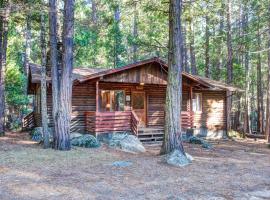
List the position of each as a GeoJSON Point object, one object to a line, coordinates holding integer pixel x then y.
{"type": "Point", "coordinates": [201, 99]}
{"type": "Point", "coordinates": [100, 100]}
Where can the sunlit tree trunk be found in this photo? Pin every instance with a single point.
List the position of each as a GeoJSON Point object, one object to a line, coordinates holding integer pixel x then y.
{"type": "Point", "coordinates": [259, 87]}
{"type": "Point", "coordinates": [44, 116]}
{"type": "Point", "coordinates": [3, 51]}
{"type": "Point", "coordinates": [54, 62]}
{"type": "Point", "coordinates": [267, 129]}
{"type": "Point", "coordinates": [63, 118]}
{"type": "Point", "coordinates": [135, 34]}
{"type": "Point", "coordinates": [27, 48]}
{"type": "Point", "coordinates": [229, 64]}
{"type": "Point", "coordinates": [207, 59]}
{"type": "Point", "coordinates": [172, 138]}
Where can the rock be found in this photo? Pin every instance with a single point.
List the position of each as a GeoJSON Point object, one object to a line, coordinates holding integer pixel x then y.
{"type": "Point", "coordinates": [75, 135]}
{"type": "Point", "coordinates": [197, 140]}
{"type": "Point", "coordinates": [126, 142]}
{"type": "Point", "coordinates": [178, 159]}
{"type": "Point", "coordinates": [37, 134]}
{"type": "Point", "coordinates": [121, 163]}
{"type": "Point", "coordinates": [87, 141]}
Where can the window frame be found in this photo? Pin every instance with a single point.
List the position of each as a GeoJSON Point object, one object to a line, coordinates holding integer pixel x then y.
{"type": "Point", "coordinates": [200, 102]}
{"type": "Point", "coordinates": [112, 106]}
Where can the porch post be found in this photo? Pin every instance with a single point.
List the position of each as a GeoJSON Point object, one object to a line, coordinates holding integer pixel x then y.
{"type": "Point", "coordinates": [190, 106]}
{"type": "Point", "coordinates": [97, 96]}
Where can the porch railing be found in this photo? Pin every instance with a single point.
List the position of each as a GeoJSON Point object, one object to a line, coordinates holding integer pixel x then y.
{"type": "Point", "coordinates": [98, 122]}
{"type": "Point", "coordinates": [134, 123]}
{"type": "Point", "coordinates": [29, 121]}
{"type": "Point", "coordinates": [187, 119]}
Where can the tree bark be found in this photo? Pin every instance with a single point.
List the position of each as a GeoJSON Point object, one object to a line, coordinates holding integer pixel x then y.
{"type": "Point", "coordinates": [260, 113]}
{"type": "Point", "coordinates": [117, 43]}
{"type": "Point", "coordinates": [267, 128]}
{"type": "Point", "coordinates": [207, 67]}
{"type": "Point", "coordinates": [63, 118]}
{"type": "Point", "coordinates": [192, 48]}
{"type": "Point", "coordinates": [229, 64]}
{"type": "Point", "coordinates": [3, 51]}
{"type": "Point", "coordinates": [172, 138]}
{"type": "Point", "coordinates": [135, 34]}
{"type": "Point", "coordinates": [27, 48]}
{"type": "Point", "coordinates": [54, 62]}
{"type": "Point", "coordinates": [44, 116]}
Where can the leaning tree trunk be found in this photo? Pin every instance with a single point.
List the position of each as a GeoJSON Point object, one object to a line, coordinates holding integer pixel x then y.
{"type": "Point", "coordinates": [63, 118]}
{"type": "Point", "coordinates": [44, 116]}
{"type": "Point", "coordinates": [3, 51]}
{"type": "Point", "coordinates": [54, 61]}
{"type": "Point", "coordinates": [172, 138]}
{"type": "Point", "coordinates": [229, 64]}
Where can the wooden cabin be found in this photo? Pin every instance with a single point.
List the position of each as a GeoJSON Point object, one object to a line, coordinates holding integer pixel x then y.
{"type": "Point", "coordinates": [132, 98]}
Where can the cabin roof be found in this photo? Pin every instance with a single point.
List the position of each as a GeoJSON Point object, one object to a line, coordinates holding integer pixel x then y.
{"type": "Point", "coordinates": [84, 74]}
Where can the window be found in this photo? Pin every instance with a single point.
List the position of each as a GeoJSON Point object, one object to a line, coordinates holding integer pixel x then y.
{"type": "Point", "coordinates": [112, 100]}
{"type": "Point", "coordinates": [197, 102]}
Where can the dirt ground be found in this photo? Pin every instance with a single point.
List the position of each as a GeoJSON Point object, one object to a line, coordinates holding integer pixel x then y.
{"type": "Point", "coordinates": [231, 170]}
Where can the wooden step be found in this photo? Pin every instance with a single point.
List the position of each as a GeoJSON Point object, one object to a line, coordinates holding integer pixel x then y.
{"type": "Point", "coordinates": [151, 135]}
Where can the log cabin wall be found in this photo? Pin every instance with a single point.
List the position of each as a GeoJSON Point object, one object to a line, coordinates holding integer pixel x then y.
{"type": "Point", "coordinates": [213, 115]}
{"type": "Point", "coordinates": [83, 99]}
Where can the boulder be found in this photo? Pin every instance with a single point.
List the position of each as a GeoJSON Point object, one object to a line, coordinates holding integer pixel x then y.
{"type": "Point", "coordinates": [75, 135]}
{"type": "Point", "coordinates": [202, 142]}
{"type": "Point", "coordinates": [87, 141]}
{"type": "Point", "coordinates": [121, 163]}
{"type": "Point", "coordinates": [37, 134]}
{"type": "Point", "coordinates": [178, 159]}
{"type": "Point", "coordinates": [127, 143]}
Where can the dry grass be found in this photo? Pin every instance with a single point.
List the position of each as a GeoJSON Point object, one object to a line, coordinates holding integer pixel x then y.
{"type": "Point", "coordinates": [232, 170]}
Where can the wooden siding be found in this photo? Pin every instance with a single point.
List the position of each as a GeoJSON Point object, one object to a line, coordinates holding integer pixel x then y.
{"type": "Point", "coordinates": [150, 74]}
{"type": "Point", "coordinates": [213, 115]}
{"type": "Point", "coordinates": [83, 100]}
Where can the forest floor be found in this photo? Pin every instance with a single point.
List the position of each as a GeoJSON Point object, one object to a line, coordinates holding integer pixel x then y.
{"type": "Point", "coordinates": [231, 170]}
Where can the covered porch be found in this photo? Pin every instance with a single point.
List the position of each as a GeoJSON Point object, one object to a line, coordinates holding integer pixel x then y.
{"type": "Point", "coordinates": [135, 107]}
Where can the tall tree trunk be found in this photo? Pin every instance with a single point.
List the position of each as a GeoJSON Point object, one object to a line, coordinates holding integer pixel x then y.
{"type": "Point", "coordinates": [44, 116]}
{"type": "Point", "coordinates": [27, 48]}
{"type": "Point", "coordinates": [95, 28]}
{"type": "Point", "coordinates": [54, 62]}
{"type": "Point", "coordinates": [117, 43]}
{"type": "Point", "coordinates": [259, 87]}
{"type": "Point", "coordinates": [185, 63]}
{"type": "Point", "coordinates": [229, 64]}
{"type": "Point", "coordinates": [135, 34]}
{"type": "Point", "coordinates": [267, 128]}
{"type": "Point", "coordinates": [3, 51]}
{"type": "Point", "coordinates": [207, 63]}
{"type": "Point", "coordinates": [172, 138]}
{"type": "Point", "coordinates": [219, 47]}
{"type": "Point", "coordinates": [247, 72]}
{"type": "Point", "coordinates": [64, 108]}
{"type": "Point", "coordinates": [192, 47]}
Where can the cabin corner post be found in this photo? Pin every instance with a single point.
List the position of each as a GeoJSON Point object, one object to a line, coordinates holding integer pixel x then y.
{"type": "Point", "coordinates": [97, 96]}
{"type": "Point", "coordinates": [190, 106]}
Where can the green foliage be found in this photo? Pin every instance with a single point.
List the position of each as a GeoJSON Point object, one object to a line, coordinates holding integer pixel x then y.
{"type": "Point", "coordinates": [15, 86]}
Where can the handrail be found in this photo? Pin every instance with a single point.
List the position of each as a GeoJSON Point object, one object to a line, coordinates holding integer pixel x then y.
{"type": "Point", "coordinates": [29, 120]}
{"type": "Point", "coordinates": [134, 123]}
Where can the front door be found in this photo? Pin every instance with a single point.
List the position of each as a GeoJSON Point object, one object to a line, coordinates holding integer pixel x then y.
{"type": "Point", "coordinates": [139, 107]}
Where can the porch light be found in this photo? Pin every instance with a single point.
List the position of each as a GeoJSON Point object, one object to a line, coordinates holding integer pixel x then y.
{"type": "Point", "coordinates": [142, 84]}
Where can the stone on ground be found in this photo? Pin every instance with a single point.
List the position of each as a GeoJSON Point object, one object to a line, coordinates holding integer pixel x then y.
{"type": "Point", "coordinates": [127, 143]}
{"type": "Point", "coordinates": [121, 163]}
{"type": "Point", "coordinates": [202, 142]}
{"type": "Point", "coordinates": [37, 134]}
{"type": "Point", "coordinates": [87, 141]}
{"type": "Point", "coordinates": [178, 159]}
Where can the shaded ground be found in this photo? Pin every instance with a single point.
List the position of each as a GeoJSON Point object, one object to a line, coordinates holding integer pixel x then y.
{"type": "Point", "coordinates": [232, 170]}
